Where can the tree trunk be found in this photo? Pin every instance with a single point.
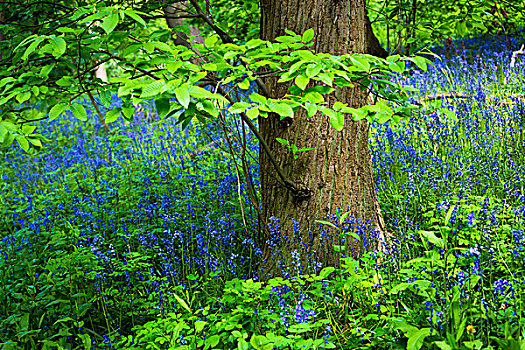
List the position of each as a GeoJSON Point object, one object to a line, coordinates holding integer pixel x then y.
{"type": "Point", "coordinates": [338, 171]}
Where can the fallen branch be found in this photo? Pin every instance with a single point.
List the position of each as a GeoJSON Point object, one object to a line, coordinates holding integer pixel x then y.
{"type": "Point", "coordinates": [515, 54]}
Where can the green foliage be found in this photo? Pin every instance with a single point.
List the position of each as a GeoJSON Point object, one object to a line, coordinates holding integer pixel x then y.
{"type": "Point", "coordinates": [48, 73]}
{"type": "Point", "coordinates": [406, 25]}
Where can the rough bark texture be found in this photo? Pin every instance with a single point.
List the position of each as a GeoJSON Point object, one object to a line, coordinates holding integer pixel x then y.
{"type": "Point", "coordinates": [172, 13]}
{"type": "Point", "coordinates": [338, 171]}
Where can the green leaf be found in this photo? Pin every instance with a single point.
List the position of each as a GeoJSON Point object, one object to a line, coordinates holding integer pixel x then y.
{"type": "Point", "coordinates": [255, 97]}
{"type": "Point", "coordinates": [284, 110]}
{"type": "Point", "coordinates": [162, 105]}
{"type": "Point", "coordinates": [258, 342]}
{"type": "Point", "coordinates": [199, 325]}
{"type": "Point", "coordinates": [300, 328]}
{"type": "Point", "coordinates": [242, 344]}
{"type": "Point", "coordinates": [23, 97]}
{"type": "Point", "coordinates": [337, 119]}
{"type": "Point", "coordinates": [252, 113]}
{"type": "Point", "coordinates": [198, 92]}
{"type": "Point", "coordinates": [64, 81]}
{"type": "Point", "coordinates": [443, 345]}
{"type": "Point", "coordinates": [3, 133]}
{"type": "Point", "coordinates": [301, 81]}
{"type": "Point", "coordinates": [308, 35]}
{"type": "Point", "coordinates": [112, 115]}
{"type": "Point", "coordinates": [35, 142]}
{"type": "Point", "coordinates": [449, 214]}
{"type": "Point", "coordinates": [127, 112]}
{"type": "Point", "coordinates": [110, 22]}
{"type": "Point", "coordinates": [22, 142]}
{"type": "Point", "coordinates": [311, 109]}
{"type": "Point", "coordinates": [78, 111]}
{"type": "Point", "coordinates": [238, 107]}
{"type": "Point", "coordinates": [326, 271]}
{"type": "Point", "coordinates": [360, 63]}
{"type": "Point", "coordinates": [282, 141]}
{"type": "Point", "coordinates": [210, 41]}
{"type": "Point", "coordinates": [415, 342]}
{"type": "Point", "coordinates": [183, 95]}
{"type": "Point", "coordinates": [212, 341]}
{"type": "Point", "coordinates": [135, 16]}
{"type": "Point", "coordinates": [245, 84]}
{"type": "Point", "coordinates": [153, 89]}
{"type": "Point", "coordinates": [313, 69]}
{"type": "Point", "coordinates": [210, 107]}
{"type": "Point", "coordinates": [32, 47]}
{"type": "Point", "coordinates": [57, 110]}
{"type": "Point", "coordinates": [60, 46]}
{"type": "Point", "coordinates": [421, 62]}
{"type": "Point", "coordinates": [326, 223]}
{"type": "Point", "coordinates": [182, 303]}
{"type": "Point", "coordinates": [432, 238]}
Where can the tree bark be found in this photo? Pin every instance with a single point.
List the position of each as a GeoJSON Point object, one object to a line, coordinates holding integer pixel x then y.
{"type": "Point", "coordinates": [338, 171]}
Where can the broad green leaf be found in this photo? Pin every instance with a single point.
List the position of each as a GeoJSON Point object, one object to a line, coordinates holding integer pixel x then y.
{"type": "Point", "coordinates": [23, 97]}
{"type": "Point", "coordinates": [162, 105]}
{"type": "Point", "coordinates": [210, 41]}
{"type": "Point", "coordinates": [421, 62]}
{"type": "Point", "coordinates": [360, 63]}
{"type": "Point", "coordinates": [112, 115]}
{"type": "Point", "coordinates": [242, 344]}
{"type": "Point", "coordinates": [209, 66]}
{"type": "Point", "coordinates": [239, 107]}
{"type": "Point", "coordinates": [415, 342]}
{"type": "Point", "coordinates": [44, 72]}
{"type": "Point", "coordinates": [325, 272]}
{"type": "Point", "coordinates": [110, 22]}
{"type": "Point", "coordinates": [325, 78]}
{"type": "Point", "coordinates": [153, 89]}
{"type": "Point", "coordinates": [400, 287]}
{"type": "Point", "coordinates": [32, 47]}
{"type": "Point", "coordinates": [212, 341]}
{"type": "Point", "coordinates": [443, 345]}
{"type": "Point", "coordinates": [337, 119]}
{"type": "Point", "coordinates": [183, 95]}
{"type": "Point", "coordinates": [245, 84]}
{"type": "Point", "coordinates": [311, 109]}
{"type": "Point", "coordinates": [28, 129]}
{"type": "Point", "coordinates": [259, 342]}
{"type": "Point", "coordinates": [255, 97]}
{"type": "Point", "coordinates": [78, 111]}
{"type": "Point", "coordinates": [35, 142]}
{"type": "Point", "coordinates": [127, 112]}
{"type": "Point", "coordinates": [252, 113]}
{"type": "Point", "coordinates": [308, 35]}
{"type": "Point", "coordinates": [199, 325]}
{"type": "Point", "coordinates": [301, 81]}
{"type": "Point", "coordinates": [132, 14]}
{"type": "Point", "coordinates": [64, 81]}
{"type": "Point", "coordinates": [313, 69]}
{"type": "Point", "coordinates": [210, 107]}
{"type": "Point", "coordinates": [3, 133]}
{"type": "Point", "coordinates": [198, 92]}
{"type": "Point", "coordinates": [60, 46]}
{"type": "Point", "coordinates": [22, 142]}
{"type": "Point", "coordinates": [283, 109]}
{"type": "Point", "coordinates": [300, 328]}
